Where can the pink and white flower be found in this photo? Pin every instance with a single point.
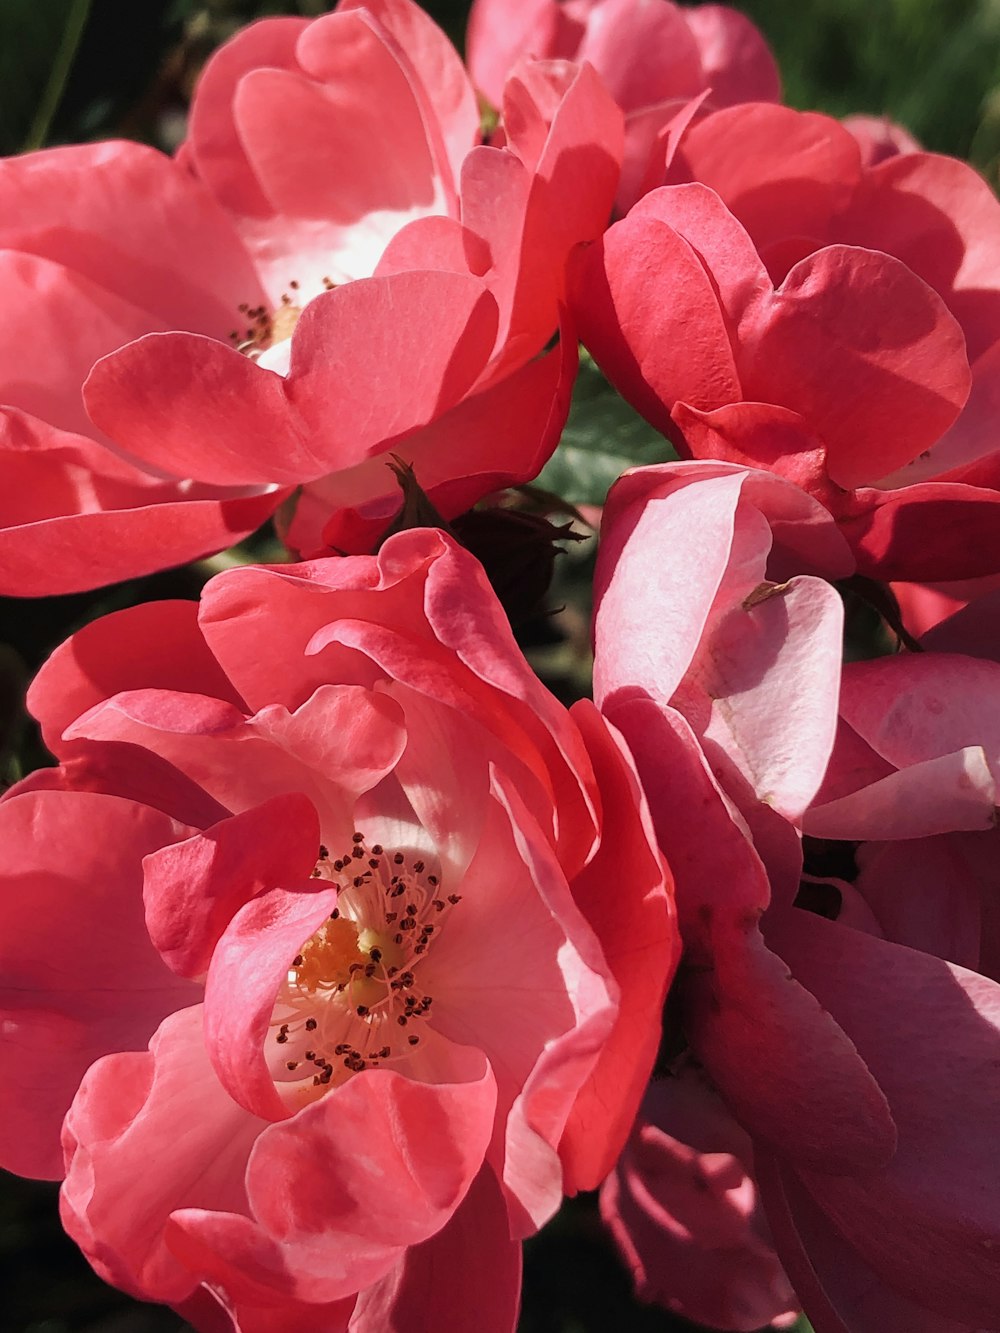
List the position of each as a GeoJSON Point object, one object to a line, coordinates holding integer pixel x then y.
{"type": "Point", "coordinates": [859, 1046]}
{"type": "Point", "coordinates": [390, 919]}
{"type": "Point", "coordinates": [223, 312]}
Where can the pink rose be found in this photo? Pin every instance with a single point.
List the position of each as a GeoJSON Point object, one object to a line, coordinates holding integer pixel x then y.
{"type": "Point", "coordinates": [390, 919]}
{"type": "Point", "coordinates": [176, 288]}
{"type": "Point", "coordinates": [865, 1067]}
{"type": "Point", "coordinates": [839, 378]}
{"type": "Point", "coordinates": [799, 182]}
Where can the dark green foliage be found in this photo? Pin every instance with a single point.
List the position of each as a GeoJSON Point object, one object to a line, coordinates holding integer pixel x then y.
{"type": "Point", "coordinates": [603, 437]}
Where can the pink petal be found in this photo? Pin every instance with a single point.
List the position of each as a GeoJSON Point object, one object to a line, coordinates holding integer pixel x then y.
{"type": "Point", "coordinates": [444, 768]}
{"type": "Point", "coordinates": [237, 1315]}
{"type": "Point", "coordinates": [969, 446]}
{"type": "Point", "coordinates": [927, 532]}
{"type": "Point", "coordinates": [496, 192]}
{"type": "Point", "coordinates": [715, 866]}
{"type": "Point", "coordinates": [214, 143]}
{"type": "Point", "coordinates": [769, 675]}
{"type": "Point", "coordinates": [929, 893]}
{"type": "Point", "coordinates": [697, 648]}
{"type": "Point", "coordinates": [853, 765]}
{"type": "Point", "coordinates": [80, 975]}
{"type": "Point", "coordinates": [928, 1222]}
{"type": "Point", "coordinates": [972, 629]}
{"type": "Point", "coordinates": [644, 53]}
{"type": "Point", "coordinates": [155, 645]}
{"type": "Point", "coordinates": [940, 218]}
{"type": "Point", "coordinates": [682, 1206]}
{"type": "Point", "coordinates": [782, 173]}
{"type": "Point", "coordinates": [193, 406]}
{"type": "Point", "coordinates": [192, 889]}
{"type": "Point", "coordinates": [579, 147]}
{"type": "Point", "coordinates": [149, 1133]}
{"type": "Point", "coordinates": [129, 771]}
{"type": "Point", "coordinates": [646, 636]}
{"type": "Point", "coordinates": [638, 934]}
{"type": "Point", "coordinates": [76, 552]}
{"type": "Point", "coordinates": [60, 323]}
{"type": "Point", "coordinates": [51, 472]}
{"type": "Point", "coordinates": [923, 706]}
{"type": "Point", "coordinates": [879, 138]}
{"type": "Point", "coordinates": [248, 965]}
{"type": "Point", "coordinates": [437, 242]}
{"type": "Point", "coordinates": [831, 1278]}
{"type": "Point", "coordinates": [500, 436]}
{"type": "Point", "coordinates": [638, 336]}
{"type": "Point", "coordinates": [360, 162]}
{"type": "Point", "coordinates": [244, 762]}
{"type": "Point", "coordinates": [427, 335]}
{"type": "Point", "coordinates": [442, 84]}
{"type": "Point", "coordinates": [828, 325]}
{"type": "Point", "coordinates": [131, 221]}
{"type": "Point", "coordinates": [736, 61]}
{"type": "Point", "coordinates": [940, 795]}
{"type": "Point", "coordinates": [299, 603]}
{"type": "Point", "coordinates": [305, 599]}
{"type": "Point", "coordinates": [340, 1191]}
{"type": "Point", "coordinates": [541, 1055]}
{"type": "Point", "coordinates": [727, 252]}
{"type": "Point", "coordinates": [652, 136]}
{"type": "Point", "coordinates": [464, 617]}
{"type": "Point", "coordinates": [466, 1278]}
{"type": "Point", "coordinates": [501, 31]}
{"type": "Point", "coordinates": [396, 351]}
{"type": "Point", "coordinates": [763, 435]}
{"type": "Point", "coordinates": [819, 1105]}
{"type": "Point", "coordinates": [75, 516]}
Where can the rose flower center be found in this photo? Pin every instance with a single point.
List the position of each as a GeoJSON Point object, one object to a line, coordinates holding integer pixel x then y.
{"type": "Point", "coordinates": [352, 997]}
{"type": "Point", "coordinates": [265, 328]}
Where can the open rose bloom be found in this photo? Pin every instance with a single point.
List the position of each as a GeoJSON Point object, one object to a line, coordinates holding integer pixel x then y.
{"type": "Point", "coordinates": [389, 918]}
{"type": "Point", "coordinates": [176, 317]}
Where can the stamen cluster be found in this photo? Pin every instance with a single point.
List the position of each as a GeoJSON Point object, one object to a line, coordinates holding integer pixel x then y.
{"type": "Point", "coordinates": [352, 994]}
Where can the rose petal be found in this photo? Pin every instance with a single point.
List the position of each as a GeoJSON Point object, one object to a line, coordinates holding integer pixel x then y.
{"type": "Point", "coordinates": [80, 977]}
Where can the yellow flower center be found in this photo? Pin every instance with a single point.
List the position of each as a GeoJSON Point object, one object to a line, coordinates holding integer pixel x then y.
{"type": "Point", "coordinates": [265, 328]}
{"type": "Point", "coordinates": [352, 998]}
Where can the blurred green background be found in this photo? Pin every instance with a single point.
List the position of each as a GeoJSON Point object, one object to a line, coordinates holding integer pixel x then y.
{"type": "Point", "coordinates": [933, 65]}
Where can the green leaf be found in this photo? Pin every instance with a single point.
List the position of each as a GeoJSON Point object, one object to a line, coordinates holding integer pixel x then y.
{"type": "Point", "coordinates": [603, 437]}
{"type": "Point", "coordinates": [38, 41]}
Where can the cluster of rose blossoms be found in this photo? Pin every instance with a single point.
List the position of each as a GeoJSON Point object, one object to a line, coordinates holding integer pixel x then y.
{"type": "Point", "coordinates": [335, 950]}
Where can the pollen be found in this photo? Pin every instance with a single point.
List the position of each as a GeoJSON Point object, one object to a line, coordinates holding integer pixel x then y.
{"type": "Point", "coordinates": [327, 957]}
{"type": "Point", "coordinates": [266, 328]}
{"type": "Point", "coordinates": [352, 998]}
